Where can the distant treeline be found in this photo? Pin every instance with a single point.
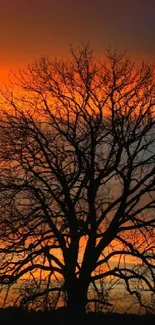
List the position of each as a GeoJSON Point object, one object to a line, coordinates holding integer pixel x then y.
{"type": "Point", "coordinates": [18, 316]}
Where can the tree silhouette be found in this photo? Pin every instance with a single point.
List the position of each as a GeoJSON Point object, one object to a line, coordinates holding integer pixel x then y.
{"type": "Point", "coordinates": [77, 178]}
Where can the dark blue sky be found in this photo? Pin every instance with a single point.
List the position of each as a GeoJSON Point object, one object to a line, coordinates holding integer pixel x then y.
{"type": "Point", "coordinates": [30, 28]}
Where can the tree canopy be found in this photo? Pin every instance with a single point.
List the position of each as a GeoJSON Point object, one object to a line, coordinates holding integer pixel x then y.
{"type": "Point", "coordinates": [77, 180]}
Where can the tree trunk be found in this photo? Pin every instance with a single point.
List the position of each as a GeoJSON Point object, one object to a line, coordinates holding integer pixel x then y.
{"type": "Point", "coordinates": [76, 305]}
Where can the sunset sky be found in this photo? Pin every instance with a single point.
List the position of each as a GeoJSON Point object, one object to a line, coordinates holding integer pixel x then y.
{"type": "Point", "coordinates": [31, 28]}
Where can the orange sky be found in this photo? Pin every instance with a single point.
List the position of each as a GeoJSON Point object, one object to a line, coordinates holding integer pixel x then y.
{"type": "Point", "coordinates": [29, 29]}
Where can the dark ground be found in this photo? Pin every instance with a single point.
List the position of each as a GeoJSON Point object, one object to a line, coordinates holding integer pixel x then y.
{"type": "Point", "coordinates": [20, 317]}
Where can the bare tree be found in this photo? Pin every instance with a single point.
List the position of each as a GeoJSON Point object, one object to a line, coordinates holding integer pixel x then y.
{"type": "Point", "coordinates": [77, 178]}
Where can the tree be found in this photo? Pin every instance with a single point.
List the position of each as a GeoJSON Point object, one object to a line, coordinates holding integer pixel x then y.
{"type": "Point", "coordinates": [77, 178]}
